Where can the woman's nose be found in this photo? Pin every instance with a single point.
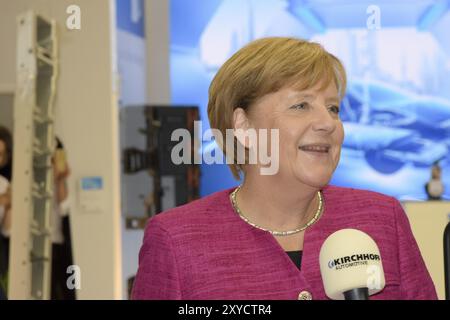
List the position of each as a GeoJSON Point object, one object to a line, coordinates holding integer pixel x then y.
{"type": "Point", "coordinates": [323, 121]}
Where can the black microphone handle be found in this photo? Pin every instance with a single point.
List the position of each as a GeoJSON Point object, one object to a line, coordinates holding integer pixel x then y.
{"type": "Point", "coordinates": [357, 294]}
{"type": "Point", "coordinates": [447, 261]}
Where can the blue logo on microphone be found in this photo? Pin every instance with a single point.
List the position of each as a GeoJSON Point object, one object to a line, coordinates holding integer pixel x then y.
{"type": "Point", "coordinates": [353, 260]}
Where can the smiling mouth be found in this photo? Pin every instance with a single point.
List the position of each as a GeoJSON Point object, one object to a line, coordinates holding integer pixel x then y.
{"type": "Point", "coordinates": [317, 148]}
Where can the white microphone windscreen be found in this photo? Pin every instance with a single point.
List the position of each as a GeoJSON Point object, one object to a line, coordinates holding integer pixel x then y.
{"type": "Point", "coordinates": [350, 259]}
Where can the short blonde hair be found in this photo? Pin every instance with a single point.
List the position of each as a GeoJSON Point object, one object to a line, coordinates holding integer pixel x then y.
{"type": "Point", "coordinates": [265, 66]}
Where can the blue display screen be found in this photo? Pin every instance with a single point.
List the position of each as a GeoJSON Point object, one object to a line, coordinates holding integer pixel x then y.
{"type": "Point", "coordinates": [396, 112]}
{"type": "Point", "coordinates": [92, 183]}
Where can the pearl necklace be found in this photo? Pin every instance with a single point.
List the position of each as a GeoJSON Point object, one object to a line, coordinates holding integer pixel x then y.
{"type": "Point", "coordinates": [273, 232]}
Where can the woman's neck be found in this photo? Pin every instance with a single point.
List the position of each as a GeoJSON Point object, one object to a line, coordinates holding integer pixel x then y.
{"type": "Point", "coordinates": [277, 206]}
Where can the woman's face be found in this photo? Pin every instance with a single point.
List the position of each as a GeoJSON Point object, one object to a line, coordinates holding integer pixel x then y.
{"type": "Point", "coordinates": [310, 131]}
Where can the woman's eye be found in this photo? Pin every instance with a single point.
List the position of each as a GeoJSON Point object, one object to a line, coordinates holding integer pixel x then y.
{"type": "Point", "coordinates": [335, 109]}
{"type": "Point", "coordinates": [300, 106]}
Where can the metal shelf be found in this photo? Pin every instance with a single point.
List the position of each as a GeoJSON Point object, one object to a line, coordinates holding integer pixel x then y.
{"type": "Point", "coordinates": [34, 111]}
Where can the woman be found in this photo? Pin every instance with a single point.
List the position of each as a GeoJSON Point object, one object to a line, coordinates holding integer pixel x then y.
{"type": "Point", "coordinates": [262, 240]}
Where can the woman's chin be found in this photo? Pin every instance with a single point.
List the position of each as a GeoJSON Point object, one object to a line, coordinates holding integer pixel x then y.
{"type": "Point", "coordinates": [317, 181]}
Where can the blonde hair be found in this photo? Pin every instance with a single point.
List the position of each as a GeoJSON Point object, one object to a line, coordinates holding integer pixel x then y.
{"type": "Point", "coordinates": [265, 66]}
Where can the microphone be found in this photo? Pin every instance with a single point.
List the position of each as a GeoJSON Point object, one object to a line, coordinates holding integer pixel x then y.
{"type": "Point", "coordinates": [350, 265]}
{"type": "Point", "coordinates": [447, 260]}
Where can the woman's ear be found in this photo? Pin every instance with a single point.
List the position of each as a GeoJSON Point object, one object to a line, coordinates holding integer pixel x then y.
{"type": "Point", "coordinates": [241, 126]}
{"type": "Point", "coordinates": [240, 120]}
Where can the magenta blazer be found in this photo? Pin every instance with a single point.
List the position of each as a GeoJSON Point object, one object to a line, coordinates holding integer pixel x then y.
{"type": "Point", "coordinates": [204, 250]}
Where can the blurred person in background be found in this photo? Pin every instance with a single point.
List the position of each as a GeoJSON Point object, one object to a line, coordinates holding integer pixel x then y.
{"type": "Point", "coordinates": [6, 151]}
{"type": "Point", "coordinates": [60, 225]}
{"type": "Point", "coordinates": [435, 188]}
{"type": "Point", "coordinates": [61, 239]}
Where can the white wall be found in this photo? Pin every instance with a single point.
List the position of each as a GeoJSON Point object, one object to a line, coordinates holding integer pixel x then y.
{"type": "Point", "coordinates": [428, 221]}
{"type": "Point", "coordinates": [132, 63]}
{"type": "Point", "coordinates": [87, 122]}
{"type": "Point", "coordinates": [156, 91]}
{"type": "Point", "coordinates": [157, 29]}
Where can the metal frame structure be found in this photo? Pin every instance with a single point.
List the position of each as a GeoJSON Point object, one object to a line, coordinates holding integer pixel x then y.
{"type": "Point", "coordinates": [31, 246]}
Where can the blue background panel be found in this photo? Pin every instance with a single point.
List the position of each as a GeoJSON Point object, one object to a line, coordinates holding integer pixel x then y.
{"type": "Point", "coordinates": [396, 112]}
